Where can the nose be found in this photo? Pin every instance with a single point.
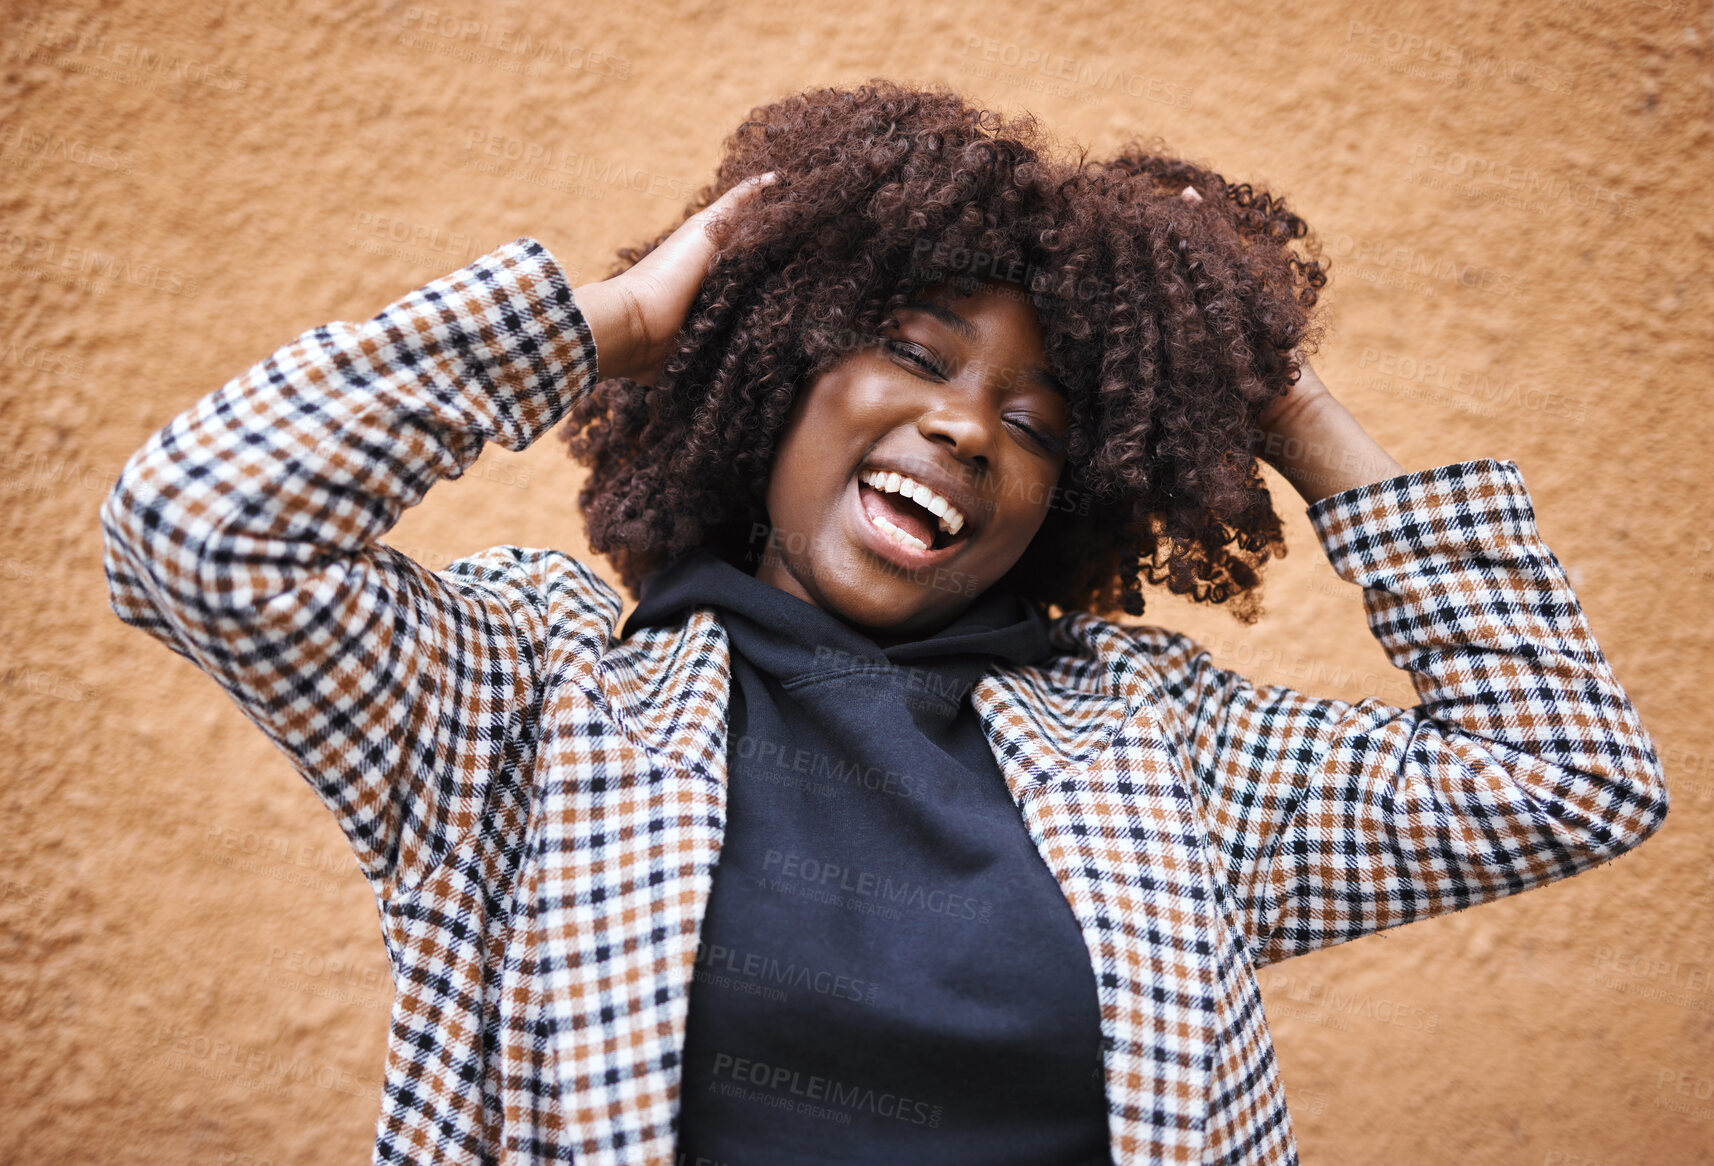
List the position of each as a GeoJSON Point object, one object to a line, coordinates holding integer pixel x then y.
{"type": "Point", "coordinates": [959, 421]}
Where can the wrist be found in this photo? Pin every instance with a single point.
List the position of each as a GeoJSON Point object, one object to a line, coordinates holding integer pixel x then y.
{"type": "Point", "coordinates": [1318, 446]}
{"type": "Point", "coordinates": [611, 314]}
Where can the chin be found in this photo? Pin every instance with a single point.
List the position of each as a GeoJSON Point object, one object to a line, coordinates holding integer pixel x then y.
{"type": "Point", "coordinates": [902, 611]}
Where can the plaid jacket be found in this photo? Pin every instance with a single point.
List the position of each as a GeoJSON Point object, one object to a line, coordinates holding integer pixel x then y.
{"type": "Point", "coordinates": [539, 806]}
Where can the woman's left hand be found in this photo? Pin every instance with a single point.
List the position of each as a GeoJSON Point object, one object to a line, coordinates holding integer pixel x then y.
{"type": "Point", "coordinates": [1316, 444]}
{"type": "Point", "coordinates": [1309, 387]}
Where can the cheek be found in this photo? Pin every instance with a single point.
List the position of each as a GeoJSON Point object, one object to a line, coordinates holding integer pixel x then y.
{"type": "Point", "coordinates": [824, 437]}
{"type": "Point", "coordinates": [1032, 500]}
{"type": "Point", "coordinates": [807, 476]}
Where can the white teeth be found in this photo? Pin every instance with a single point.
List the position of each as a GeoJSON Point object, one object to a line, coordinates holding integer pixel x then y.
{"type": "Point", "coordinates": [903, 538]}
{"type": "Point", "coordinates": [951, 518]}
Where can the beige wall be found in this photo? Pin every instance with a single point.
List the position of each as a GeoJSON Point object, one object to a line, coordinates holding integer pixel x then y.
{"type": "Point", "coordinates": [193, 970]}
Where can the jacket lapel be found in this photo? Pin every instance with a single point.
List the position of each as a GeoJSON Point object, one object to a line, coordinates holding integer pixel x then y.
{"type": "Point", "coordinates": [1086, 762]}
{"type": "Point", "coordinates": [632, 816]}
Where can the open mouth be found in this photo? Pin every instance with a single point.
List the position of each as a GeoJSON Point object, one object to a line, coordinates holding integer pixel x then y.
{"type": "Point", "coordinates": [909, 517]}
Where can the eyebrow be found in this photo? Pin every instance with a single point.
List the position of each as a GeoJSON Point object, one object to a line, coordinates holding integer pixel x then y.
{"type": "Point", "coordinates": [967, 330]}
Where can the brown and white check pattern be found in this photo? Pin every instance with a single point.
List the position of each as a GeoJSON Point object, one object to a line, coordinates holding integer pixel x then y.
{"type": "Point", "coordinates": [539, 808]}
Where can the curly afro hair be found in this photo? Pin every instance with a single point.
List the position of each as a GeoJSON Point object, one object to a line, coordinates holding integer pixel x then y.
{"type": "Point", "coordinates": [1172, 323]}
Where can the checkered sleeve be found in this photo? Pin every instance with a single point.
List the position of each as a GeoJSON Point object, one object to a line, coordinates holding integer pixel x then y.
{"type": "Point", "coordinates": [1523, 763]}
{"type": "Point", "coordinates": [245, 536]}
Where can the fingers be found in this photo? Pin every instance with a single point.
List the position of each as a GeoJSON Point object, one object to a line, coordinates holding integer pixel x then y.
{"type": "Point", "coordinates": [743, 190]}
{"type": "Point", "coordinates": [695, 240]}
{"type": "Point", "coordinates": [739, 194]}
{"type": "Point", "coordinates": [649, 300]}
{"type": "Point", "coordinates": [696, 236]}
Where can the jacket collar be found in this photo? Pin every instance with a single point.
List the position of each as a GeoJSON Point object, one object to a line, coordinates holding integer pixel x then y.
{"type": "Point", "coordinates": [633, 814]}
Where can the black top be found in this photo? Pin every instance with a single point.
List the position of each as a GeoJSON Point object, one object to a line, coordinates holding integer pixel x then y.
{"type": "Point", "coordinates": [887, 972]}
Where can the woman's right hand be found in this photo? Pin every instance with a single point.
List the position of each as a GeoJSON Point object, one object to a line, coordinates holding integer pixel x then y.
{"type": "Point", "coordinates": [635, 315]}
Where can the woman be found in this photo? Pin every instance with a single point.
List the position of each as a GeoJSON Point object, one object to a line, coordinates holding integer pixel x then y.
{"type": "Point", "coordinates": [867, 838]}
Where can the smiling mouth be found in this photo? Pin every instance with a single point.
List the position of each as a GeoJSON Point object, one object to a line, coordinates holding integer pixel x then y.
{"type": "Point", "coordinates": [907, 523]}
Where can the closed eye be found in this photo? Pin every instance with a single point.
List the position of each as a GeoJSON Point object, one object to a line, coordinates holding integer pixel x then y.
{"type": "Point", "coordinates": [910, 352]}
{"type": "Point", "coordinates": [1040, 438]}
{"type": "Point", "coordinates": [915, 355]}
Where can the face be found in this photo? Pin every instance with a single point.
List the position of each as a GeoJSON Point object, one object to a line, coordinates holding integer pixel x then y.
{"type": "Point", "coordinates": [954, 396]}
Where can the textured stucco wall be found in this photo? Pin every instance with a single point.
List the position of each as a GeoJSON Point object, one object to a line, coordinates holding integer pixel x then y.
{"type": "Point", "coordinates": [1517, 196]}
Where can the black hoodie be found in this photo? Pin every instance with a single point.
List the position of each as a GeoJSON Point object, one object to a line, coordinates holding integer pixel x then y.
{"type": "Point", "coordinates": [887, 972]}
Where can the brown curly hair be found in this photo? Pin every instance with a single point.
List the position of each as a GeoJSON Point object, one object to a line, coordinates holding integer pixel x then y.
{"type": "Point", "coordinates": [1171, 323]}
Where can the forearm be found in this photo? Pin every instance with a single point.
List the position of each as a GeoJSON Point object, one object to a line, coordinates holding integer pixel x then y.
{"type": "Point", "coordinates": [315, 452]}
{"type": "Point", "coordinates": [1523, 762]}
